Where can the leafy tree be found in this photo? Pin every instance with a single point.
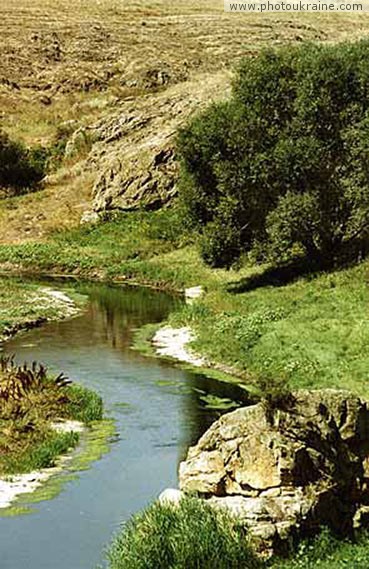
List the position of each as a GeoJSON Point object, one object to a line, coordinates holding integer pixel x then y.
{"type": "Point", "coordinates": [285, 162]}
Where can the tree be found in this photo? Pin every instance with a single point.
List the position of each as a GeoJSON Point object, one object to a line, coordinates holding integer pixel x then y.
{"type": "Point", "coordinates": [284, 163]}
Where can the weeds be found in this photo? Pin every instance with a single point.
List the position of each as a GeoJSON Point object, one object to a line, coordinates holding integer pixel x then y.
{"type": "Point", "coordinates": [30, 401]}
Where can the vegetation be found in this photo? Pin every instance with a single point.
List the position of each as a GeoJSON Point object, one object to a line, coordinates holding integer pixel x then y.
{"type": "Point", "coordinates": [195, 536]}
{"type": "Point", "coordinates": [299, 326]}
{"type": "Point", "coordinates": [129, 245]}
{"type": "Point", "coordinates": [21, 168]}
{"type": "Point", "coordinates": [190, 536]}
{"type": "Point", "coordinates": [31, 401]}
{"type": "Point", "coordinates": [308, 330]}
{"type": "Point", "coordinates": [282, 166]}
{"type": "Point", "coordinates": [24, 304]}
{"type": "Point", "coordinates": [328, 552]}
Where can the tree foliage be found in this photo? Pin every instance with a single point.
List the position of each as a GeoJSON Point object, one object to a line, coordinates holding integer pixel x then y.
{"type": "Point", "coordinates": [284, 163]}
{"type": "Point", "coordinates": [20, 168]}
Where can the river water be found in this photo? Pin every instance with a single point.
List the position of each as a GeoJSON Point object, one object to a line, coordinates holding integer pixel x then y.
{"type": "Point", "coordinates": [159, 411]}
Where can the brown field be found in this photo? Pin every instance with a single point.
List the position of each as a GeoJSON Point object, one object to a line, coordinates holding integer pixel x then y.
{"type": "Point", "coordinates": [63, 61]}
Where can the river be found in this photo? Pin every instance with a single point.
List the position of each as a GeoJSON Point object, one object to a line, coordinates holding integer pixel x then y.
{"type": "Point", "coordinates": [158, 409]}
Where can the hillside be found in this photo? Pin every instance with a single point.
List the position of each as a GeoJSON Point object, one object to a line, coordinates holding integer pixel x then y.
{"type": "Point", "coordinates": [108, 83]}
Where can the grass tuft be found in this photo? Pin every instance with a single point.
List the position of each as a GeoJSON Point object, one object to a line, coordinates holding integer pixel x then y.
{"type": "Point", "coordinates": [192, 536]}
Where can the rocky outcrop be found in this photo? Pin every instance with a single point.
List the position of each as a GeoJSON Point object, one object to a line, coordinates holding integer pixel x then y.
{"type": "Point", "coordinates": [285, 472]}
{"type": "Point", "coordinates": [133, 152]}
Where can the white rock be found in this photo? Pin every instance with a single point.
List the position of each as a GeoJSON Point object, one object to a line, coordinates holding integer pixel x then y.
{"type": "Point", "coordinates": [170, 497]}
{"type": "Point", "coordinates": [89, 217]}
{"type": "Point", "coordinates": [193, 293]}
{"type": "Point", "coordinates": [68, 427]}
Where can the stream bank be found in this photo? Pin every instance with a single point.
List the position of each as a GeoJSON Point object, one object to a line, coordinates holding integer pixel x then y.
{"type": "Point", "coordinates": [159, 410]}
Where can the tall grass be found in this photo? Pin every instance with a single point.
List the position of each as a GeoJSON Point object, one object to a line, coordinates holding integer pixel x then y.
{"type": "Point", "coordinates": [195, 536]}
{"type": "Point", "coordinates": [192, 536]}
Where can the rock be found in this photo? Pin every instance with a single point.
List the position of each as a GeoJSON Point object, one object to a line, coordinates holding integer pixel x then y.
{"type": "Point", "coordinates": [155, 76]}
{"type": "Point", "coordinates": [45, 100]}
{"type": "Point", "coordinates": [170, 497]}
{"type": "Point", "coordinates": [150, 186]}
{"type": "Point", "coordinates": [133, 150]}
{"type": "Point", "coordinates": [79, 142]}
{"type": "Point", "coordinates": [285, 472]}
{"type": "Point", "coordinates": [205, 473]}
{"type": "Point", "coordinates": [89, 217]}
{"type": "Point", "coordinates": [172, 342]}
{"type": "Point", "coordinates": [193, 293]}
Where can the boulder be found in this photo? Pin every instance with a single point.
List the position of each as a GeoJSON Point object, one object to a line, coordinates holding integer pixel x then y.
{"type": "Point", "coordinates": [284, 472]}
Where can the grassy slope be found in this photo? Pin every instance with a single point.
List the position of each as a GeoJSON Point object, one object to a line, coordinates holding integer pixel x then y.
{"type": "Point", "coordinates": [311, 332]}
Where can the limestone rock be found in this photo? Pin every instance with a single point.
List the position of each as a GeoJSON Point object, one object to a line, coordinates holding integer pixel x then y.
{"type": "Point", "coordinates": [79, 142]}
{"type": "Point", "coordinates": [133, 151]}
{"type": "Point", "coordinates": [284, 472]}
{"type": "Point", "coordinates": [89, 217]}
{"type": "Point", "coordinates": [170, 497]}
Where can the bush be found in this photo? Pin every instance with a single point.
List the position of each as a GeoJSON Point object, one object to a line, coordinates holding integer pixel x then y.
{"type": "Point", "coordinates": [220, 244]}
{"type": "Point", "coordinates": [191, 536]}
{"type": "Point", "coordinates": [284, 163]}
{"type": "Point", "coordinates": [20, 168]}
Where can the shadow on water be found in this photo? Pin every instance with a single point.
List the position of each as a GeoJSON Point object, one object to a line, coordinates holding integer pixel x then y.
{"type": "Point", "coordinates": [159, 410]}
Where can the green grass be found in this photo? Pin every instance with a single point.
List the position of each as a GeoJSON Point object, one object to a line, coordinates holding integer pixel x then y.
{"type": "Point", "coordinates": [193, 536]}
{"type": "Point", "coordinates": [84, 405]}
{"type": "Point", "coordinates": [328, 552]}
{"type": "Point", "coordinates": [40, 453]}
{"type": "Point", "coordinates": [30, 402]}
{"type": "Point", "coordinates": [23, 302]}
{"type": "Point", "coordinates": [312, 332]}
{"type": "Point", "coordinates": [138, 246]}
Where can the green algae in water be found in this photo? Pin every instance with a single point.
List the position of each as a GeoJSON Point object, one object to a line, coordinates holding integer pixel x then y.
{"type": "Point", "coordinates": [95, 442]}
{"type": "Point", "coordinates": [219, 403]}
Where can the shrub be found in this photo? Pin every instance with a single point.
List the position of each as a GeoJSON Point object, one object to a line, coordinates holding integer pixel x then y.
{"type": "Point", "coordinates": [188, 537]}
{"type": "Point", "coordinates": [284, 163]}
{"type": "Point", "coordinates": [220, 243]}
{"type": "Point", "coordinates": [20, 168]}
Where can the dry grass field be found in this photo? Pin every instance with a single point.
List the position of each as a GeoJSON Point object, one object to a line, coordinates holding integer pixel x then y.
{"type": "Point", "coordinates": [74, 62]}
